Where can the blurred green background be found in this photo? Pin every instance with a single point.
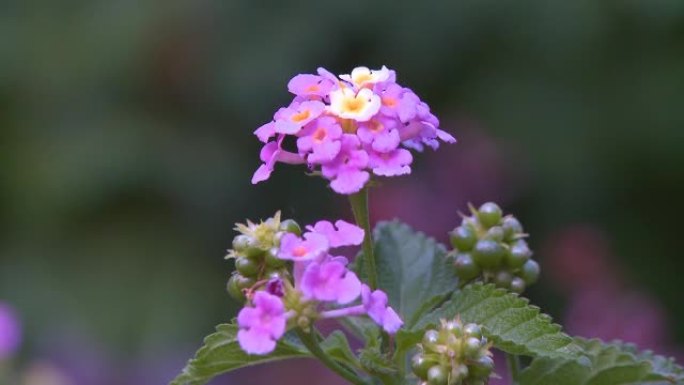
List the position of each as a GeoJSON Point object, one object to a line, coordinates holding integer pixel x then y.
{"type": "Point", "coordinates": [126, 149]}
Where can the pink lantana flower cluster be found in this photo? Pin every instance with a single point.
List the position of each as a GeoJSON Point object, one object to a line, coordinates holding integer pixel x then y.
{"type": "Point", "coordinates": [320, 286]}
{"type": "Point", "coordinates": [350, 127]}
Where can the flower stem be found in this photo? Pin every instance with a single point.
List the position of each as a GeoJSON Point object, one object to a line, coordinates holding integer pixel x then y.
{"type": "Point", "coordinates": [309, 340]}
{"type": "Point", "coordinates": [513, 362]}
{"type": "Point", "coordinates": [359, 205]}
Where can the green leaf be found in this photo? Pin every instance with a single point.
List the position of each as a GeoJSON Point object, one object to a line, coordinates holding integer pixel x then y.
{"type": "Point", "coordinates": [508, 320]}
{"type": "Point", "coordinates": [606, 364]}
{"type": "Point", "coordinates": [414, 271]}
{"type": "Point", "coordinates": [221, 353]}
{"type": "Point", "coordinates": [337, 346]}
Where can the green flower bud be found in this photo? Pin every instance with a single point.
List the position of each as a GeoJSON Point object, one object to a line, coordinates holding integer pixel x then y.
{"type": "Point", "coordinates": [437, 375]}
{"type": "Point", "coordinates": [473, 330]}
{"type": "Point", "coordinates": [420, 365]}
{"type": "Point", "coordinates": [518, 254]}
{"type": "Point", "coordinates": [247, 267]}
{"type": "Point", "coordinates": [272, 259]}
{"type": "Point", "coordinates": [495, 233]}
{"type": "Point", "coordinates": [517, 285]}
{"type": "Point", "coordinates": [503, 279]}
{"type": "Point", "coordinates": [463, 238]}
{"type": "Point", "coordinates": [481, 368]}
{"type": "Point", "coordinates": [452, 350]}
{"type": "Point", "coordinates": [234, 290]}
{"type": "Point", "coordinates": [472, 346]}
{"type": "Point", "coordinates": [242, 242]}
{"type": "Point", "coordinates": [512, 228]}
{"type": "Point", "coordinates": [466, 268]}
{"type": "Point", "coordinates": [530, 272]}
{"type": "Point", "coordinates": [488, 253]}
{"type": "Point", "coordinates": [489, 214]}
{"type": "Point", "coordinates": [454, 328]}
{"type": "Point", "coordinates": [431, 338]}
{"type": "Point", "coordinates": [459, 373]}
{"type": "Point", "coordinates": [244, 282]}
{"type": "Point", "coordinates": [291, 226]}
{"type": "Point", "coordinates": [254, 252]}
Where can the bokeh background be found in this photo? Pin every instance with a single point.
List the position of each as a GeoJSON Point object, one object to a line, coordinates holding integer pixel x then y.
{"type": "Point", "coordinates": [126, 151]}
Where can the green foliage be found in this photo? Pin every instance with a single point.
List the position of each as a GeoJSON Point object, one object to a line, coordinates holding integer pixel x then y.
{"type": "Point", "coordinates": [415, 273]}
{"type": "Point", "coordinates": [605, 364]}
{"type": "Point", "coordinates": [221, 353]}
{"type": "Point", "coordinates": [508, 320]}
{"type": "Point", "coordinates": [337, 346]}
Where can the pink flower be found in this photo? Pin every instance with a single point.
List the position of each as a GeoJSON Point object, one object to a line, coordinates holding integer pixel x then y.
{"type": "Point", "coordinates": [270, 154]}
{"type": "Point", "coordinates": [310, 85]}
{"type": "Point", "coordinates": [375, 305]}
{"type": "Point", "coordinates": [363, 76]}
{"type": "Point", "coordinates": [262, 325]}
{"type": "Point", "coordinates": [346, 171]}
{"type": "Point", "coordinates": [398, 102]}
{"type": "Point", "coordinates": [346, 234]}
{"type": "Point", "coordinates": [10, 331]}
{"type": "Point", "coordinates": [390, 163]}
{"type": "Point", "coordinates": [311, 247]}
{"type": "Point", "coordinates": [349, 125]}
{"type": "Point", "coordinates": [380, 133]}
{"type": "Point", "coordinates": [330, 281]}
{"type": "Point", "coordinates": [297, 115]}
{"type": "Point", "coordinates": [320, 138]}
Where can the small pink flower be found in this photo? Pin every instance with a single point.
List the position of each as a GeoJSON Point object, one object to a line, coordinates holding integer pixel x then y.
{"type": "Point", "coordinates": [270, 154]}
{"type": "Point", "coordinates": [390, 163]}
{"type": "Point", "coordinates": [312, 247]}
{"type": "Point", "coordinates": [291, 120]}
{"type": "Point", "coordinates": [346, 171]}
{"type": "Point", "coordinates": [375, 304]}
{"type": "Point", "coordinates": [310, 85]}
{"type": "Point", "coordinates": [330, 281]}
{"type": "Point", "coordinates": [320, 138]}
{"type": "Point", "coordinates": [262, 325]}
{"type": "Point", "coordinates": [398, 102]}
{"type": "Point", "coordinates": [380, 133]}
{"type": "Point", "coordinates": [346, 234]}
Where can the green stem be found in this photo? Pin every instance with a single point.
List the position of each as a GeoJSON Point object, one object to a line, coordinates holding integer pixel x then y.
{"type": "Point", "coordinates": [513, 362]}
{"type": "Point", "coordinates": [309, 340]}
{"type": "Point", "coordinates": [359, 205]}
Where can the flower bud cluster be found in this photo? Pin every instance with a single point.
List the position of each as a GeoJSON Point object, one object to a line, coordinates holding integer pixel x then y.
{"type": "Point", "coordinates": [290, 279]}
{"type": "Point", "coordinates": [455, 354]}
{"type": "Point", "coordinates": [255, 251]}
{"type": "Point", "coordinates": [492, 247]}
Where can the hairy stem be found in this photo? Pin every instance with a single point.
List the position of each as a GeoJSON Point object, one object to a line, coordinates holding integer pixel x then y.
{"type": "Point", "coordinates": [359, 205]}
{"type": "Point", "coordinates": [513, 362]}
{"type": "Point", "coordinates": [309, 340]}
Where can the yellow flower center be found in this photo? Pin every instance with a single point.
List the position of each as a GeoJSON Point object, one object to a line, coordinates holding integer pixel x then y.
{"type": "Point", "coordinates": [300, 116]}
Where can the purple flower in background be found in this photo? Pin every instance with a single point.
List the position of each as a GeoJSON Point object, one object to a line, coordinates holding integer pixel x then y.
{"type": "Point", "coordinates": [341, 122]}
{"type": "Point", "coordinates": [330, 281]}
{"type": "Point", "coordinates": [10, 331]}
{"type": "Point", "coordinates": [375, 305]}
{"type": "Point", "coordinates": [346, 233]}
{"type": "Point", "coordinates": [262, 325]}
